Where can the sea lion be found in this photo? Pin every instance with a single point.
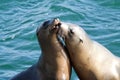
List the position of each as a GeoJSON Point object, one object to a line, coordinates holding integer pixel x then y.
{"type": "Point", "coordinates": [53, 63]}
{"type": "Point", "coordinates": [91, 60]}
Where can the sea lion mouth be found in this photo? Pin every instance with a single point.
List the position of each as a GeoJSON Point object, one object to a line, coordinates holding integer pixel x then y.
{"type": "Point", "coordinates": [61, 40]}
{"type": "Point", "coordinates": [52, 25]}
{"type": "Point", "coordinates": [60, 36]}
{"type": "Point", "coordinates": [55, 25]}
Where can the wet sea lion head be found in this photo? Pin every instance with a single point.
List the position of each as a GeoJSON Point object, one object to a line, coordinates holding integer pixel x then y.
{"type": "Point", "coordinates": [90, 59]}
{"type": "Point", "coordinates": [48, 29]}
{"type": "Point", "coordinates": [72, 34]}
{"type": "Point", "coordinates": [74, 37]}
{"type": "Point", "coordinates": [54, 60]}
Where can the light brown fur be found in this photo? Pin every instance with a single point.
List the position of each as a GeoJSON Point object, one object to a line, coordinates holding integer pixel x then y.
{"type": "Point", "coordinates": [91, 60]}
{"type": "Point", "coordinates": [53, 63]}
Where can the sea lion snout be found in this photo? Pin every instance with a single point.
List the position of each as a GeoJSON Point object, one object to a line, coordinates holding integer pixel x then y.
{"type": "Point", "coordinates": [49, 25]}
{"type": "Point", "coordinates": [55, 23]}
{"type": "Point", "coordinates": [63, 30]}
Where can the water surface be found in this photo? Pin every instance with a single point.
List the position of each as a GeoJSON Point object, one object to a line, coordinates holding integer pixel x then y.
{"type": "Point", "coordinates": [19, 19]}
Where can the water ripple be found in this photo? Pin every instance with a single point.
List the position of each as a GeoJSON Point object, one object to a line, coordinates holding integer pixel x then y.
{"type": "Point", "coordinates": [19, 20]}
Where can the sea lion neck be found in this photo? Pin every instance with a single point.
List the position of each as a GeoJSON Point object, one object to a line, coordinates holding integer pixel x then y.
{"type": "Point", "coordinates": [49, 42]}
{"type": "Point", "coordinates": [52, 52]}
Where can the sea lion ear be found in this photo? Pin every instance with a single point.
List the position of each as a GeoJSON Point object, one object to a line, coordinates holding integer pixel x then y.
{"type": "Point", "coordinates": [80, 40]}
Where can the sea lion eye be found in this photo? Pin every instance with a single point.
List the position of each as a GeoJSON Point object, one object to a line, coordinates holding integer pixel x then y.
{"type": "Point", "coordinates": [80, 40]}
{"type": "Point", "coordinates": [71, 31]}
{"type": "Point", "coordinates": [46, 24]}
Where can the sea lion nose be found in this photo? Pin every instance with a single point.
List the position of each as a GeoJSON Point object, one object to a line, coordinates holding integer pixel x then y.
{"type": "Point", "coordinates": [56, 21]}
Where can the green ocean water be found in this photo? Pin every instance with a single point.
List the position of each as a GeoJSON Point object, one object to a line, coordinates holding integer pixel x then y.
{"type": "Point", "coordinates": [19, 19]}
